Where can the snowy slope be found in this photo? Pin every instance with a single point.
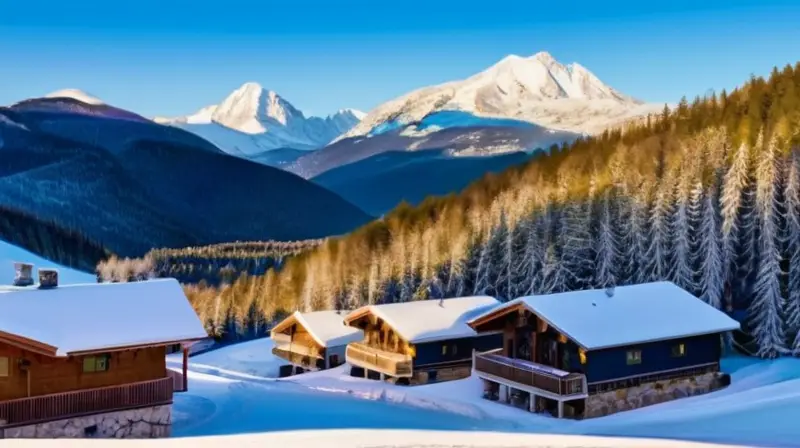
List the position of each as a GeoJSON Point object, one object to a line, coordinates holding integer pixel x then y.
{"type": "Point", "coordinates": [10, 254]}
{"type": "Point", "coordinates": [536, 89]}
{"type": "Point", "coordinates": [252, 120]}
{"type": "Point", "coordinates": [760, 408]}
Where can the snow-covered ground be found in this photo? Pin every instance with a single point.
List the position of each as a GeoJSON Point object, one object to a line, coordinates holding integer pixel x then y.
{"type": "Point", "coordinates": [10, 253]}
{"type": "Point", "coordinates": [233, 391]}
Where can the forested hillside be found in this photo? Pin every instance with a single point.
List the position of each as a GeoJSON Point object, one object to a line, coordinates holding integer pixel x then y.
{"type": "Point", "coordinates": [211, 265]}
{"type": "Point", "coordinates": [706, 195]}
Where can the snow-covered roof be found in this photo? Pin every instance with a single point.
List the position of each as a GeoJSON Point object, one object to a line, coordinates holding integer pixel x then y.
{"type": "Point", "coordinates": [633, 314]}
{"type": "Point", "coordinates": [326, 327]}
{"type": "Point", "coordinates": [430, 320]}
{"type": "Point", "coordinates": [100, 316]}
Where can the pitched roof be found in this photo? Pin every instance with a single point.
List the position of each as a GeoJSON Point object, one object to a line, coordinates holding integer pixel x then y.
{"type": "Point", "coordinates": [430, 320]}
{"type": "Point", "coordinates": [326, 327]}
{"type": "Point", "coordinates": [634, 314]}
{"type": "Point", "coordinates": [100, 316]}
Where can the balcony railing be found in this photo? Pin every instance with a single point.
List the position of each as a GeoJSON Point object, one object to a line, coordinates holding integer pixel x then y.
{"type": "Point", "coordinates": [394, 364]}
{"type": "Point", "coordinates": [43, 408]}
{"type": "Point", "coordinates": [299, 357]}
{"type": "Point", "coordinates": [531, 374]}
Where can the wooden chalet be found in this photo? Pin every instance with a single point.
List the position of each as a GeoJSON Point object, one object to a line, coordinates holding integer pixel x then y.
{"type": "Point", "coordinates": [78, 350]}
{"type": "Point", "coordinates": [419, 342]}
{"type": "Point", "coordinates": [313, 341]}
{"type": "Point", "coordinates": [562, 350]}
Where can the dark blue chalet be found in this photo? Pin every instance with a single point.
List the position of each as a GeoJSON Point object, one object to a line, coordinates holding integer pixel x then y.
{"type": "Point", "coordinates": [419, 342]}
{"type": "Point", "coordinates": [595, 352]}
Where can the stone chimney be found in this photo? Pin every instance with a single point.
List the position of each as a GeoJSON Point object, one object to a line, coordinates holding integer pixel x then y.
{"type": "Point", "coordinates": [23, 274]}
{"type": "Point", "coordinates": [48, 278]}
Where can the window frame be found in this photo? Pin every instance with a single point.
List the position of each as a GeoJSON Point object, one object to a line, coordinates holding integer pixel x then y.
{"type": "Point", "coordinates": [95, 361]}
{"type": "Point", "coordinates": [633, 360]}
{"type": "Point", "coordinates": [681, 350]}
{"type": "Point", "coordinates": [5, 373]}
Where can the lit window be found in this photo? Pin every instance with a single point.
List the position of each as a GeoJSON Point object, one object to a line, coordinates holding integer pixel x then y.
{"type": "Point", "coordinates": [444, 350]}
{"type": "Point", "coordinates": [4, 362]}
{"type": "Point", "coordinates": [634, 357]}
{"type": "Point", "coordinates": [95, 363]}
{"type": "Point", "coordinates": [678, 350]}
{"type": "Point", "coordinates": [582, 355]}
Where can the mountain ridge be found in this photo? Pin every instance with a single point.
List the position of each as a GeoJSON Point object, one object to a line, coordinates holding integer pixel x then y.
{"type": "Point", "coordinates": [252, 119]}
{"type": "Point", "coordinates": [537, 89]}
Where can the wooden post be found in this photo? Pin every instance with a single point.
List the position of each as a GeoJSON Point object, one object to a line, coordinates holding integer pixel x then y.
{"type": "Point", "coordinates": [560, 409]}
{"type": "Point", "coordinates": [532, 402]}
{"type": "Point", "coordinates": [185, 369]}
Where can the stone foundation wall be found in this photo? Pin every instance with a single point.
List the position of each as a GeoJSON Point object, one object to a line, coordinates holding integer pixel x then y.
{"type": "Point", "coordinates": [144, 423]}
{"type": "Point", "coordinates": [647, 394]}
{"type": "Point", "coordinates": [443, 374]}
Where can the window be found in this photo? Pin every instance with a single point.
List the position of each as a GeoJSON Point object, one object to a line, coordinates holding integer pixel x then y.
{"type": "Point", "coordinates": [634, 357]}
{"type": "Point", "coordinates": [582, 354]}
{"type": "Point", "coordinates": [678, 350]}
{"type": "Point", "coordinates": [97, 363]}
{"type": "Point", "coordinates": [334, 360]}
{"type": "Point", "coordinates": [444, 349]}
{"type": "Point", "coordinates": [4, 369]}
{"type": "Point", "coordinates": [455, 350]}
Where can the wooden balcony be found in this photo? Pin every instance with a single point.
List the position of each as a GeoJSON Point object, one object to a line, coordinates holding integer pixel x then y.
{"type": "Point", "coordinates": [532, 375]}
{"type": "Point", "coordinates": [299, 355]}
{"type": "Point", "coordinates": [44, 408]}
{"type": "Point", "coordinates": [389, 363]}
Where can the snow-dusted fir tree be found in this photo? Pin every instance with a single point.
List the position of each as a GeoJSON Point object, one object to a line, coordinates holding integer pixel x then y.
{"type": "Point", "coordinates": [606, 252]}
{"type": "Point", "coordinates": [792, 232]}
{"type": "Point", "coordinates": [622, 224]}
{"type": "Point", "coordinates": [574, 239]}
{"type": "Point", "coordinates": [501, 252]}
{"type": "Point", "coordinates": [768, 303]}
{"type": "Point", "coordinates": [733, 184]}
{"type": "Point", "coordinates": [483, 267]}
{"type": "Point", "coordinates": [531, 260]}
{"type": "Point", "coordinates": [639, 232]}
{"type": "Point", "coordinates": [657, 259]}
{"type": "Point", "coordinates": [681, 271]}
{"type": "Point", "coordinates": [554, 275]}
{"type": "Point", "coordinates": [710, 254]}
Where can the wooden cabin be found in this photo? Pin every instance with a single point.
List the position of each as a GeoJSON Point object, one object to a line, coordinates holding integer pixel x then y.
{"type": "Point", "coordinates": [313, 341]}
{"type": "Point", "coordinates": [419, 342]}
{"type": "Point", "coordinates": [595, 352]}
{"type": "Point", "coordinates": [72, 351]}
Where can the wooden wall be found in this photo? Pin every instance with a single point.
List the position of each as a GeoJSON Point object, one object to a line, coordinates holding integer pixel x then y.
{"type": "Point", "coordinates": [610, 364]}
{"type": "Point", "coordinates": [53, 375]}
{"type": "Point", "coordinates": [380, 335]}
{"type": "Point", "coordinates": [456, 349]}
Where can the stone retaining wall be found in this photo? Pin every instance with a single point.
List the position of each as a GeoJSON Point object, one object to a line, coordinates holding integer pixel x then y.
{"type": "Point", "coordinates": [442, 374]}
{"type": "Point", "coordinates": [647, 394]}
{"type": "Point", "coordinates": [144, 423]}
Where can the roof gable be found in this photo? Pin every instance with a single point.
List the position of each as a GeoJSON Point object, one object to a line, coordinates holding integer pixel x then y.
{"type": "Point", "coordinates": [633, 314]}
{"type": "Point", "coordinates": [326, 327]}
{"type": "Point", "coordinates": [430, 320]}
{"type": "Point", "coordinates": [100, 316]}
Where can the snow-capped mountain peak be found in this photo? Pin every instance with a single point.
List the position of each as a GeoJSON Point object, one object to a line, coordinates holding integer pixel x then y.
{"type": "Point", "coordinates": [538, 89]}
{"type": "Point", "coordinates": [252, 109]}
{"type": "Point", "coordinates": [76, 95]}
{"type": "Point", "coordinates": [252, 120]}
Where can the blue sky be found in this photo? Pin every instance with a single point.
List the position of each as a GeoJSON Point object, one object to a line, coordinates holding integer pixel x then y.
{"type": "Point", "coordinates": [173, 57]}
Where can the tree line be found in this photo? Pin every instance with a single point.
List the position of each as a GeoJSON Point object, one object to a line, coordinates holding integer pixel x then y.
{"type": "Point", "coordinates": [210, 265]}
{"type": "Point", "coordinates": [704, 195]}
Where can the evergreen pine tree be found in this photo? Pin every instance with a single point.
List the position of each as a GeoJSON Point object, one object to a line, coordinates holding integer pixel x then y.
{"type": "Point", "coordinates": [768, 303]}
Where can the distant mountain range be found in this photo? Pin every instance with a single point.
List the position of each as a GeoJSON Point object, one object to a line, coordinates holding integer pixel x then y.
{"type": "Point", "coordinates": [253, 120]}
{"type": "Point", "coordinates": [131, 185]}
